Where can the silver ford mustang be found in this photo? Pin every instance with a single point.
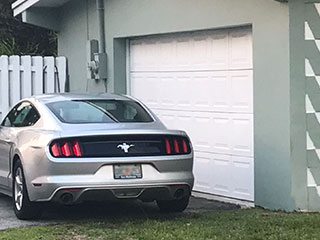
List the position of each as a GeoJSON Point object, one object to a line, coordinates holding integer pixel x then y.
{"type": "Point", "coordinates": [71, 148]}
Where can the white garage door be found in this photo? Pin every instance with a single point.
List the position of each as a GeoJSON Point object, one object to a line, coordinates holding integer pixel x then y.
{"type": "Point", "coordinates": [202, 83]}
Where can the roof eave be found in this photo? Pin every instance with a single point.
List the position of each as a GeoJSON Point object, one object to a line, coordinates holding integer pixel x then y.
{"type": "Point", "coordinates": [20, 6]}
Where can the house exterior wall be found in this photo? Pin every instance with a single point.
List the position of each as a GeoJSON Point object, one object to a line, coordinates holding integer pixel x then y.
{"type": "Point", "coordinates": [304, 102]}
{"type": "Point", "coordinates": [297, 105]}
{"type": "Point", "coordinates": [310, 73]}
{"type": "Point", "coordinates": [270, 24]}
{"type": "Point", "coordinates": [279, 77]}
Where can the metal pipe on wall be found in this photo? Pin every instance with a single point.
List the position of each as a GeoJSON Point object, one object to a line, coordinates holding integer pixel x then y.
{"type": "Point", "coordinates": [102, 32]}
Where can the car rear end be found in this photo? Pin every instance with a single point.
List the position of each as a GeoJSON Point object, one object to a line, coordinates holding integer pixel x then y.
{"type": "Point", "coordinates": [157, 166]}
{"type": "Point", "coordinates": [134, 158]}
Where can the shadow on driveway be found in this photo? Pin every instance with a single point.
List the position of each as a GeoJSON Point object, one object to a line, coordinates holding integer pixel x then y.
{"type": "Point", "coordinates": [102, 211]}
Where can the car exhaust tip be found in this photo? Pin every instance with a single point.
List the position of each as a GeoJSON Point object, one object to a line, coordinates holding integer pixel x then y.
{"type": "Point", "coordinates": [66, 199]}
{"type": "Point", "coordinates": [179, 193]}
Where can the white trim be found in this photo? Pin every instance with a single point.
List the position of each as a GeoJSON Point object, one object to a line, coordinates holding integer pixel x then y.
{"type": "Point", "coordinates": [22, 5]}
{"type": "Point", "coordinates": [309, 69]}
{"type": "Point", "coordinates": [309, 106]}
{"type": "Point", "coordinates": [128, 80]}
{"type": "Point", "coordinates": [242, 203]}
{"type": "Point", "coordinates": [311, 181]}
{"type": "Point", "coordinates": [317, 5]}
{"type": "Point", "coordinates": [24, 16]}
{"type": "Point", "coordinates": [310, 144]}
{"type": "Point", "coordinates": [308, 34]}
{"type": "Point", "coordinates": [17, 3]}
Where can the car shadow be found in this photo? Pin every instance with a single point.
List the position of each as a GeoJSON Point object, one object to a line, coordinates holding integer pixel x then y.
{"type": "Point", "coordinates": [127, 209]}
{"type": "Point", "coordinates": [121, 210]}
{"type": "Point", "coordinates": [100, 210]}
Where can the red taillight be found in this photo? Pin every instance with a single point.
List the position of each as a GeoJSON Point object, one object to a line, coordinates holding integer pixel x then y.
{"type": "Point", "coordinates": [76, 149]}
{"type": "Point", "coordinates": [168, 147]}
{"type": "Point", "coordinates": [65, 149]}
{"type": "Point", "coordinates": [55, 149]}
{"type": "Point", "coordinates": [176, 146]}
{"type": "Point", "coordinates": [184, 146]}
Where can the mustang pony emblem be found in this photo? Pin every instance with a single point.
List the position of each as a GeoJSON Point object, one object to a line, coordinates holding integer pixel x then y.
{"type": "Point", "coordinates": [125, 147]}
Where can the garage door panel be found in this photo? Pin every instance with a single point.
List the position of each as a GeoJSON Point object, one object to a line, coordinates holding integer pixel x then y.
{"type": "Point", "coordinates": [242, 177]}
{"type": "Point", "coordinates": [139, 84]}
{"type": "Point", "coordinates": [220, 85]}
{"type": "Point", "coordinates": [221, 179]}
{"type": "Point", "coordinates": [240, 49]}
{"type": "Point", "coordinates": [187, 121]}
{"type": "Point", "coordinates": [147, 62]}
{"type": "Point", "coordinates": [242, 135]}
{"type": "Point", "coordinates": [242, 91]}
{"type": "Point", "coordinates": [138, 58]}
{"type": "Point", "coordinates": [223, 91]}
{"type": "Point", "coordinates": [166, 86]}
{"type": "Point", "coordinates": [199, 93]}
{"type": "Point", "coordinates": [169, 118]}
{"type": "Point", "coordinates": [181, 83]}
{"type": "Point", "coordinates": [219, 50]}
{"type": "Point", "coordinates": [190, 122]}
{"type": "Point", "coordinates": [213, 132]}
{"type": "Point", "coordinates": [224, 175]}
{"type": "Point", "coordinates": [200, 52]}
{"type": "Point", "coordinates": [183, 54]}
{"type": "Point", "coordinates": [202, 178]}
{"type": "Point", "coordinates": [150, 63]}
{"type": "Point", "coordinates": [201, 126]}
{"type": "Point", "coordinates": [221, 139]}
{"type": "Point", "coordinates": [202, 83]}
{"type": "Point", "coordinates": [165, 55]}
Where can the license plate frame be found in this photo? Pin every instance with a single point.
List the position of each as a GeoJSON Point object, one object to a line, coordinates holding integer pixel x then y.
{"type": "Point", "coordinates": [127, 171]}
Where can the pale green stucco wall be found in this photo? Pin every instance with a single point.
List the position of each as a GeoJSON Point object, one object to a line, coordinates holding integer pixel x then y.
{"type": "Point", "coordinates": [297, 105]}
{"type": "Point", "coordinates": [270, 24]}
{"type": "Point", "coordinates": [305, 73]}
{"type": "Point", "coordinates": [79, 25]}
{"type": "Point", "coordinates": [275, 185]}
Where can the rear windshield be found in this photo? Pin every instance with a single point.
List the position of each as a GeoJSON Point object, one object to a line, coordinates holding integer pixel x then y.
{"type": "Point", "coordinates": [99, 111]}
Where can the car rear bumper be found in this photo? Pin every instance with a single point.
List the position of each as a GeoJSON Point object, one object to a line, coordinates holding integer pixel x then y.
{"type": "Point", "coordinates": [162, 178]}
{"type": "Point", "coordinates": [136, 189]}
{"type": "Point", "coordinates": [142, 192]}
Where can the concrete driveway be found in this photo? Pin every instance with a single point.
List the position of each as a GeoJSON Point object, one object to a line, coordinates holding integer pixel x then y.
{"type": "Point", "coordinates": [103, 211]}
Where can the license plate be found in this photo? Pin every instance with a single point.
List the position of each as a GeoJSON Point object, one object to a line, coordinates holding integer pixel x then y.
{"type": "Point", "coordinates": [127, 171]}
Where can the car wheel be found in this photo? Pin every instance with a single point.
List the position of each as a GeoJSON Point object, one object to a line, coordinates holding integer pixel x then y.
{"type": "Point", "coordinates": [178, 205]}
{"type": "Point", "coordinates": [23, 207]}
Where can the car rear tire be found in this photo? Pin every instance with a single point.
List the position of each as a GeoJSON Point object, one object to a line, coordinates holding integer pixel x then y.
{"type": "Point", "coordinates": [23, 207]}
{"type": "Point", "coordinates": [178, 205]}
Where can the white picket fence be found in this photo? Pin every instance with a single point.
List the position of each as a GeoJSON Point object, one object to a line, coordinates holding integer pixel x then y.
{"type": "Point", "coordinates": [24, 76]}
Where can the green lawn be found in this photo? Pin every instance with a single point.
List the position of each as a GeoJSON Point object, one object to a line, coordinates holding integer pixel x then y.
{"type": "Point", "coordinates": [232, 224]}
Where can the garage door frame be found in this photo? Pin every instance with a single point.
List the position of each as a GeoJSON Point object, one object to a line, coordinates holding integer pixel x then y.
{"type": "Point", "coordinates": [129, 83]}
